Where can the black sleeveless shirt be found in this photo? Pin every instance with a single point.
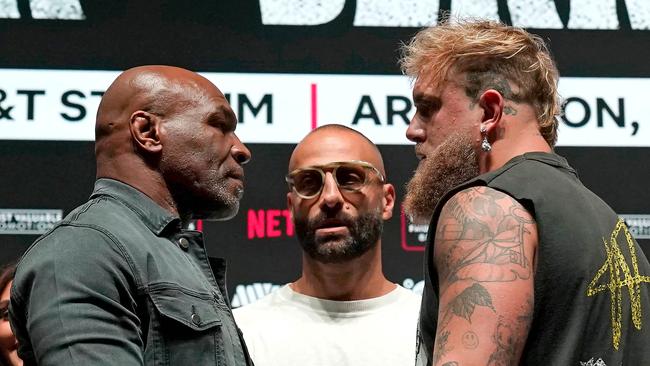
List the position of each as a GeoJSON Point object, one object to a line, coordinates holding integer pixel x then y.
{"type": "Point", "coordinates": [592, 282]}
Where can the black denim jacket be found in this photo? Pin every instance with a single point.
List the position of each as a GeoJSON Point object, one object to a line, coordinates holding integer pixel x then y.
{"type": "Point", "coordinates": [119, 282]}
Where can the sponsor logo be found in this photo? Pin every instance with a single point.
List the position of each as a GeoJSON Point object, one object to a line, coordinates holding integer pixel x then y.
{"type": "Point", "coordinates": [28, 221]}
{"type": "Point", "coordinates": [248, 294]}
{"type": "Point", "coordinates": [413, 236]}
{"type": "Point", "coordinates": [283, 108]}
{"type": "Point", "coordinates": [638, 225]}
{"type": "Point", "coordinates": [268, 223]}
{"type": "Point", "coordinates": [540, 14]}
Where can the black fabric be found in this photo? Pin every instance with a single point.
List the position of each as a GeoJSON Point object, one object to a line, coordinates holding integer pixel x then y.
{"type": "Point", "coordinates": [591, 275]}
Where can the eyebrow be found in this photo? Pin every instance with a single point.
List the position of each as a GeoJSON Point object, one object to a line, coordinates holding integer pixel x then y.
{"type": "Point", "coordinates": [225, 117]}
{"type": "Point", "coordinates": [425, 98]}
{"type": "Point", "coordinates": [229, 115]}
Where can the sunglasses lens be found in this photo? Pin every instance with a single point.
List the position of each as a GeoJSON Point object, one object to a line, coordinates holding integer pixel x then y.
{"type": "Point", "coordinates": [308, 182]}
{"type": "Point", "coordinates": [351, 177]}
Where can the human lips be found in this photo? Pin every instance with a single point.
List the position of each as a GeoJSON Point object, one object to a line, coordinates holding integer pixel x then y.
{"type": "Point", "coordinates": [419, 153]}
{"type": "Point", "coordinates": [236, 174]}
{"type": "Point", "coordinates": [331, 226]}
{"type": "Point", "coordinates": [328, 223]}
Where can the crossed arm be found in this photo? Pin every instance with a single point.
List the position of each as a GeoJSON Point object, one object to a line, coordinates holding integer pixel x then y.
{"type": "Point", "coordinates": [484, 253]}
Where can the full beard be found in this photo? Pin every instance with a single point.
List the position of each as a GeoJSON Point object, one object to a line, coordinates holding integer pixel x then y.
{"type": "Point", "coordinates": [450, 164]}
{"type": "Point", "coordinates": [365, 232]}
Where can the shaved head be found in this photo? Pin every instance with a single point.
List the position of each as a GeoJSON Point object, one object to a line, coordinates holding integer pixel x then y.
{"type": "Point", "coordinates": [169, 132]}
{"type": "Point", "coordinates": [335, 140]}
{"type": "Point", "coordinates": [157, 89]}
{"type": "Point", "coordinates": [359, 214]}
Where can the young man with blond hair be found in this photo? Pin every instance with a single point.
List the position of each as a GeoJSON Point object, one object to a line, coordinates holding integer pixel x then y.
{"type": "Point", "coordinates": [524, 264]}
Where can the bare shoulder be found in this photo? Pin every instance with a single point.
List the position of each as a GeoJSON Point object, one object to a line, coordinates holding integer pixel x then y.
{"type": "Point", "coordinates": [484, 252]}
{"type": "Point", "coordinates": [482, 216]}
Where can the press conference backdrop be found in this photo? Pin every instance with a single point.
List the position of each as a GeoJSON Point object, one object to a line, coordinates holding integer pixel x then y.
{"type": "Point", "coordinates": [288, 66]}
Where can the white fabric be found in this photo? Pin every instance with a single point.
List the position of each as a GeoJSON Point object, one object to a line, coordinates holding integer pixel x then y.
{"type": "Point", "coordinates": [286, 328]}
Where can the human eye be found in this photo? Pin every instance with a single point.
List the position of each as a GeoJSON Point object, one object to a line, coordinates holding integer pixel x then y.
{"type": "Point", "coordinates": [426, 107]}
{"type": "Point", "coordinates": [424, 110]}
{"type": "Point", "coordinates": [223, 121]}
{"type": "Point", "coordinates": [308, 182]}
{"type": "Point", "coordinates": [351, 176]}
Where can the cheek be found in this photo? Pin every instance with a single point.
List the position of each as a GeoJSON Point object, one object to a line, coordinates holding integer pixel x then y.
{"type": "Point", "coordinates": [302, 209]}
{"type": "Point", "coordinates": [6, 336]}
{"type": "Point", "coordinates": [217, 148]}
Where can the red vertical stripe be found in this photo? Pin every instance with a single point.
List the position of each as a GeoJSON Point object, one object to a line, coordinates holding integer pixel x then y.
{"type": "Point", "coordinates": [314, 107]}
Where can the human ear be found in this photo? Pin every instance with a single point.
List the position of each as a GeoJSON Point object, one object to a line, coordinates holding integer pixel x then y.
{"type": "Point", "coordinates": [389, 201]}
{"type": "Point", "coordinates": [290, 204]}
{"type": "Point", "coordinates": [492, 104]}
{"type": "Point", "coordinates": [145, 131]}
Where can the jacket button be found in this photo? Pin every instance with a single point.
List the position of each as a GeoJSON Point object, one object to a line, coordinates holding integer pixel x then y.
{"type": "Point", "coordinates": [183, 243]}
{"type": "Point", "coordinates": [196, 319]}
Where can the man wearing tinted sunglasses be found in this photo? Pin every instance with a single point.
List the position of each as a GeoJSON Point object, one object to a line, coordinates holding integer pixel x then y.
{"type": "Point", "coordinates": [342, 310]}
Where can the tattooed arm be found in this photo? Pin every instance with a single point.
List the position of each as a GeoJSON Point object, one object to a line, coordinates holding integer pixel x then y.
{"type": "Point", "coordinates": [484, 254]}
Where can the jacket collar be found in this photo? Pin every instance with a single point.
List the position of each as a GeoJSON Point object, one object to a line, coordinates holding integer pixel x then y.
{"type": "Point", "coordinates": [154, 217]}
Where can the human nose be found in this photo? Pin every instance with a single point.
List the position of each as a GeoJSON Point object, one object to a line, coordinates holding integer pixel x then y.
{"type": "Point", "coordinates": [240, 152]}
{"type": "Point", "coordinates": [415, 132]}
{"type": "Point", "coordinates": [330, 196]}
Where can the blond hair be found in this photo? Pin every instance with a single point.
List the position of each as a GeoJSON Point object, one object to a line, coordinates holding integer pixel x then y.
{"type": "Point", "coordinates": [485, 50]}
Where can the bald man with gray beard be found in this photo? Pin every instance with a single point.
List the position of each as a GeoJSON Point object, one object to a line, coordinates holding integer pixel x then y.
{"type": "Point", "coordinates": [120, 281]}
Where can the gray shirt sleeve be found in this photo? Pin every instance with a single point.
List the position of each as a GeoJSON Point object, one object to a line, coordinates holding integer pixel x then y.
{"type": "Point", "coordinates": [73, 301]}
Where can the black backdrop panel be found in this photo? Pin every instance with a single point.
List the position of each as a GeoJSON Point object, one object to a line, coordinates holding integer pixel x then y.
{"type": "Point", "coordinates": [229, 36]}
{"type": "Point", "coordinates": [260, 248]}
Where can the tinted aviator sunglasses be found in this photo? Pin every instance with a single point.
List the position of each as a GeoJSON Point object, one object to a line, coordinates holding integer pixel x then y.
{"type": "Point", "coordinates": [350, 176]}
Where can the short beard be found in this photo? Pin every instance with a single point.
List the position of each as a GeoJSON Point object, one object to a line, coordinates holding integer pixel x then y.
{"type": "Point", "coordinates": [218, 204]}
{"type": "Point", "coordinates": [365, 232]}
{"type": "Point", "coordinates": [227, 202]}
{"type": "Point", "coordinates": [452, 163]}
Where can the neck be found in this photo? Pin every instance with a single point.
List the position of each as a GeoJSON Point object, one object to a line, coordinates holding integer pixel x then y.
{"type": "Point", "coordinates": [511, 142]}
{"type": "Point", "coordinates": [358, 279]}
{"type": "Point", "coordinates": [140, 177]}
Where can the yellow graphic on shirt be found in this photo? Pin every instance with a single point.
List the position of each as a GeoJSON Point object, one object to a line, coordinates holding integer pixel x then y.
{"type": "Point", "coordinates": [620, 276]}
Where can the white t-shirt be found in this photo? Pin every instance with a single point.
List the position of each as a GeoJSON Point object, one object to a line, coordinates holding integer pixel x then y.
{"type": "Point", "coordinates": [286, 328]}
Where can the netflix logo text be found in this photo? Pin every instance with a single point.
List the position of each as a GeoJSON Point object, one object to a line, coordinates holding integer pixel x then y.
{"type": "Point", "coordinates": [268, 223]}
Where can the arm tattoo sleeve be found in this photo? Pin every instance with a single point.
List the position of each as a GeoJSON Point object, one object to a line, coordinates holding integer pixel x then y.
{"type": "Point", "coordinates": [482, 252]}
